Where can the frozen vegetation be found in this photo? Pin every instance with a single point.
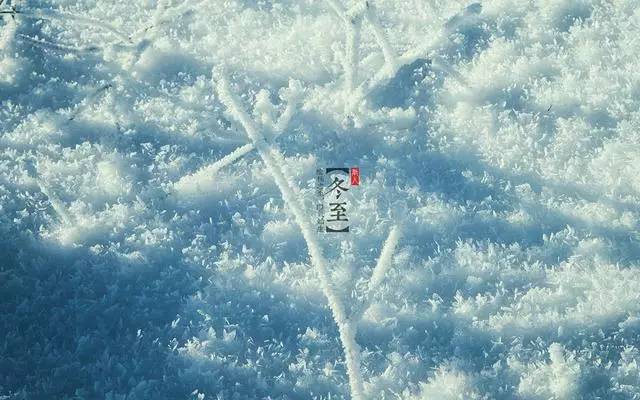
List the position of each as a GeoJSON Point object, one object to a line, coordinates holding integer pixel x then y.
{"type": "Point", "coordinates": [157, 199]}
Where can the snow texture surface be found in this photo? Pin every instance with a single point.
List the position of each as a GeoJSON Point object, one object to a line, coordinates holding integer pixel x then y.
{"type": "Point", "coordinates": [157, 199]}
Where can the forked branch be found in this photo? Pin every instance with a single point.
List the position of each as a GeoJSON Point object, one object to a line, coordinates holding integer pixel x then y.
{"type": "Point", "coordinates": [270, 156]}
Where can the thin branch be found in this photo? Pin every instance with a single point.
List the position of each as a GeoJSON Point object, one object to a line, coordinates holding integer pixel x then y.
{"type": "Point", "coordinates": [223, 140]}
{"type": "Point", "coordinates": [161, 16]}
{"type": "Point", "coordinates": [393, 62]}
{"type": "Point", "coordinates": [352, 20]}
{"type": "Point", "coordinates": [337, 9]}
{"type": "Point", "coordinates": [179, 10]}
{"type": "Point", "coordinates": [55, 46]}
{"type": "Point", "coordinates": [56, 204]}
{"type": "Point", "coordinates": [410, 56]}
{"type": "Point", "coordinates": [352, 60]}
{"type": "Point", "coordinates": [211, 170]}
{"type": "Point", "coordinates": [387, 50]}
{"type": "Point", "coordinates": [8, 33]}
{"type": "Point", "coordinates": [353, 26]}
{"type": "Point", "coordinates": [89, 100]}
{"type": "Point", "coordinates": [160, 11]}
{"type": "Point", "coordinates": [270, 157]}
{"type": "Point", "coordinates": [380, 270]}
{"type": "Point", "coordinates": [63, 16]}
{"type": "Point", "coordinates": [384, 74]}
{"type": "Point", "coordinates": [293, 96]}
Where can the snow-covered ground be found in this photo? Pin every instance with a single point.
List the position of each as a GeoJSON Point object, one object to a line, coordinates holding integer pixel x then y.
{"type": "Point", "coordinates": [157, 199]}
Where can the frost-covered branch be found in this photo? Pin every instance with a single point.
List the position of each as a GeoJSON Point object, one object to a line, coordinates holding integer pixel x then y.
{"type": "Point", "coordinates": [212, 169]}
{"type": "Point", "coordinates": [292, 95]}
{"type": "Point", "coordinates": [270, 156]}
{"type": "Point", "coordinates": [49, 14]}
{"type": "Point", "coordinates": [56, 204]}
{"type": "Point", "coordinates": [56, 46]}
{"type": "Point", "coordinates": [54, 15]}
{"type": "Point", "coordinates": [385, 259]}
{"type": "Point", "coordinates": [380, 270]}
{"type": "Point", "coordinates": [8, 33]}
{"type": "Point", "coordinates": [426, 49]}
{"type": "Point", "coordinates": [163, 14]}
{"type": "Point", "coordinates": [352, 28]}
{"type": "Point", "coordinates": [137, 41]}
{"type": "Point", "coordinates": [352, 19]}
{"type": "Point", "coordinates": [387, 50]}
{"type": "Point", "coordinates": [337, 9]}
{"type": "Point", "coordinates": [356, 90]}
{"type": "Point", "coordinates": [89, 100]}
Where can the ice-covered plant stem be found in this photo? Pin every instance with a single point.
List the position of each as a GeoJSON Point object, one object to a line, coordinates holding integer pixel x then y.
{"type": "Point", "coordinates": [271, 156]}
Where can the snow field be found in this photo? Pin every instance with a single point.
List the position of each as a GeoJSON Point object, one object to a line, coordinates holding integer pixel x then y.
{"type": "Point", "coordinates": [148, 251]}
